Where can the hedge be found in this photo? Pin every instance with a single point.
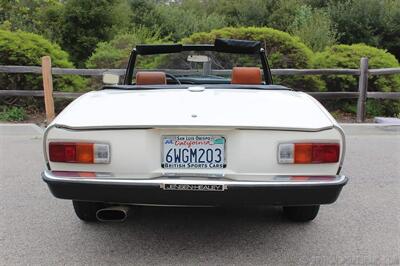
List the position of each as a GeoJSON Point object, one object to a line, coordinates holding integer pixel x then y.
{"type": "Point", "coordinates": [26, 49]}
{"type": "Point", "coordinates": [348, 56]}
{"type": "Point", "coordinates": [283, 51]}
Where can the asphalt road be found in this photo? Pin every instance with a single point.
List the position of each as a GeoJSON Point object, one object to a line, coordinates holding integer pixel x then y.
{"type": "Point", "coordinates": [362, 227]}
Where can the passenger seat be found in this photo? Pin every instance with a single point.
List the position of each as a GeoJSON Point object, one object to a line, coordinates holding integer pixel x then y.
{"type": "Point", "coordinates": [246, 75]}
{"type": "Point", "coordinates": [150, 78]}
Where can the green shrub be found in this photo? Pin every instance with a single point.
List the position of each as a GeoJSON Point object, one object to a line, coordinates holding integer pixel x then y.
{"type": "Point", "coordinates": [115, 53]}
{"type": "Point", "coordinates": [283, 51]}
{"type": "Point", "coordinates": [348, 56]}
{"type": "Point", "coordinates": [26, 49]}
{"type": "Point", "coordinates": [12, 113]}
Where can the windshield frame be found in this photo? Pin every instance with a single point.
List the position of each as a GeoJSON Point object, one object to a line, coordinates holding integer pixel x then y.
{"type": "Point", "coordinates": [220, 45]}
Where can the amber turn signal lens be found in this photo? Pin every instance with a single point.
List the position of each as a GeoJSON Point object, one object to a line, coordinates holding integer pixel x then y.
{"type": "Point", "coordinates": [303, 153]}
{"type": "Point", "coordinates": [84, 153]}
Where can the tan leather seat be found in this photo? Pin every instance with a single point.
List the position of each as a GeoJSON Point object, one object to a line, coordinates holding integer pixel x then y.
{"type": "Point", "coordinates": [246, 75]}
{"type": "Point", "coordinates": [150, 78]}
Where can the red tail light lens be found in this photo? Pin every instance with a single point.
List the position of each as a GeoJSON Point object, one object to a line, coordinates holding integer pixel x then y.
{"type": "Point", "coordinates": [70, 152]}
{"type": "Point", "coordinates": [306, 153]}
{"type": "Point", "coordinates": [325, 153]}
{"type": "Point", "coordinates": [62, 152]}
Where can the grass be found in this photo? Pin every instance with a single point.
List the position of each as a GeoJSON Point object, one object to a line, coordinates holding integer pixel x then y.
{"type": "Point", "coordinates": [12, 114]}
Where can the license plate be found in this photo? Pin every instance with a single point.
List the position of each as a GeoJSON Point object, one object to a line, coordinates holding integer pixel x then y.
{"type": "Point", "coordinates": [193, 152]}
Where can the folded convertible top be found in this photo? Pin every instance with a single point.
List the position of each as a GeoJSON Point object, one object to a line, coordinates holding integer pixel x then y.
{"type": "Point", "coordinates": [220, 45]}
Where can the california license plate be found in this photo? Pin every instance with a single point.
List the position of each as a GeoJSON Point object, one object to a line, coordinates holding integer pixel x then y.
{"type": "Point", "coordinates": [193, 152]}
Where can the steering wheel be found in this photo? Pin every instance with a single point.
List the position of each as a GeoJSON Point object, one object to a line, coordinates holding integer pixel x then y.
{"type": "Point", "coordinates": [173, 78]}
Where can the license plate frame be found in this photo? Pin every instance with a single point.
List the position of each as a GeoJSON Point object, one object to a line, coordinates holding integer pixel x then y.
{"type": "Point", "coordinates": [217, 140]}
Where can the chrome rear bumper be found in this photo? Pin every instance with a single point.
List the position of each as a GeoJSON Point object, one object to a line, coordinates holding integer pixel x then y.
{"type": "Point", "coordinates": [187, 190]}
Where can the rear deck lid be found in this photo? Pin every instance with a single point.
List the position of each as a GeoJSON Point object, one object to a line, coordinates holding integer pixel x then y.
{"type": "Point", "coordinates": [237, 108]}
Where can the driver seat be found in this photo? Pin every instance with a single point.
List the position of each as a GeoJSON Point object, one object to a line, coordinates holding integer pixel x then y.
{"type": "Point", "coordinates": [246, 75]}
{"type": "Point", "coordinates": [150, 78]}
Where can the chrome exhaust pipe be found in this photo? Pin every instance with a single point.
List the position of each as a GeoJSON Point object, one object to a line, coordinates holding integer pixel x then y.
{"type": "Point", "coordinates": [113, 214]}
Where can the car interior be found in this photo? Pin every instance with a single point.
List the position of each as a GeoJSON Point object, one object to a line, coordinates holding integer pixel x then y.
{"type": "Point", "coordinates": [240, 75]}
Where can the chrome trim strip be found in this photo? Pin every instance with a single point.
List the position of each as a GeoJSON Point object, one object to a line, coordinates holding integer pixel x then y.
{"type": "Point", "coordinates": [161, 181]}
{"type": "Point", "coordinates": [193, 127]}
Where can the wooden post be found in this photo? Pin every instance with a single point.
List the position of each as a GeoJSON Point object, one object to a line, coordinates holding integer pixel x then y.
{"type": "Point", "coordinates": [48, 88]}
{"type": "Point", "coordinates": [362, 89]}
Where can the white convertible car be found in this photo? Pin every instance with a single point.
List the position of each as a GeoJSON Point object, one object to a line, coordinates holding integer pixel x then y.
{"type": "Point", "coordinates": [195, 138]}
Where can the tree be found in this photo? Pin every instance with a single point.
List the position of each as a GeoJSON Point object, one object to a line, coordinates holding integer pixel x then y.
{"type": "Point", "coordinates": [391, 36]}
{"type": "Point", "coordinates": [314, 28]}
{"type": "Point", "coordinates": [175, 21]}
{"type": "Point", "coordinates": [243, 13]}
{"type": "Point", "coordinates": [374, 22]}
{"type": "Point", "coordinates": [276, 14]}
{"type": "Point", "coordinates": [143, 13]}
{"type": "Point", "coordinates": [283, 14]}
{"type": "Point", "coordinates": [86, 23]}
{"type": "Point", "coordinates": [26, 15]}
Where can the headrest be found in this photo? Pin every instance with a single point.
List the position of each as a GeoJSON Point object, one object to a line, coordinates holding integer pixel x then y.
{"type": "Point", "coordinates": [246, 75]}
{"type": "Point", "coordinates": [150, 78]}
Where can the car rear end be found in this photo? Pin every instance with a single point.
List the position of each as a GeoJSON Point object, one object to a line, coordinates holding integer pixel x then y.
{"type": "Point", "coordinates": [199, 164]}
{"type": "Point", "coordinates": [306, 164]}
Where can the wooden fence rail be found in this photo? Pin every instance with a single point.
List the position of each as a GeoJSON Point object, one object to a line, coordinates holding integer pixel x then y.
{"type": "Point", "coordinates": [331, 95]}
{"type": "Point", "coordinates": [121, 72]}
{"type": "Point", "coordinates": [47, 71]}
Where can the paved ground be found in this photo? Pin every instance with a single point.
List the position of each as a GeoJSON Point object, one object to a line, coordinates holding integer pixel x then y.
{"type": "Point", "coordinates": [362, 227]}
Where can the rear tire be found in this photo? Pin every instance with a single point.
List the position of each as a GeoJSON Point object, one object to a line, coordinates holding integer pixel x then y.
{"type": "Point", "coordinates": [86, 211]}
{"type": "Point", "coordinates": [301, 213]}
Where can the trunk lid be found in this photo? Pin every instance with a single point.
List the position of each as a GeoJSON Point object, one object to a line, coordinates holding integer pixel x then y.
{"type": "Point", "coordinates": [238, 108]}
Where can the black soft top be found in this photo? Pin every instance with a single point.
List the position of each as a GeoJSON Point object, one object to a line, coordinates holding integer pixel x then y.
{"type": "Point", "coordinates": [220, 45]}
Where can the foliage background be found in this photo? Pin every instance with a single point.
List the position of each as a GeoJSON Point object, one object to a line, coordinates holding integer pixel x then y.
{"type": "Point", "coordinates": [297, 33]}
{"type": "Point", "coordinates": [26, 49]}
{"type": "Point", "coordinates": [284, 51]}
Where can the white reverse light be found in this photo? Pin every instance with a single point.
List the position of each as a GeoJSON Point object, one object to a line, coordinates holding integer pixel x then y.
{"type": "Point", "coordinates": [286, 153]}
{"type": "Point", "coordinates": [101, 153]}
